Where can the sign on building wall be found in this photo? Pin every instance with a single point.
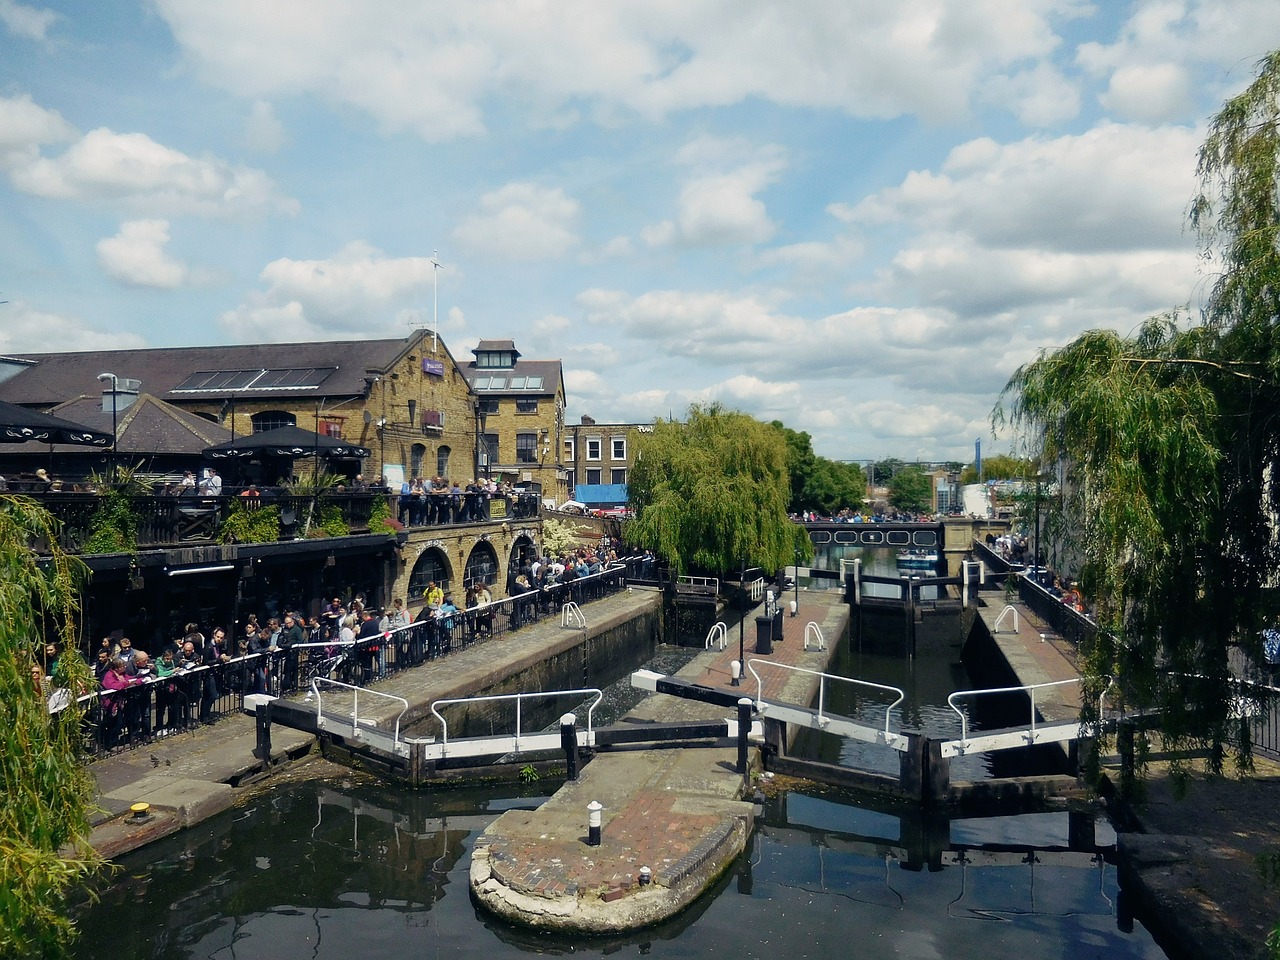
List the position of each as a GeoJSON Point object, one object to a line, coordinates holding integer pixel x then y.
{"type": "Point", "coordinates": [433, 367]}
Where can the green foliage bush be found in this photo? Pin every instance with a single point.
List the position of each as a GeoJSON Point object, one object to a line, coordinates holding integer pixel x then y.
{"type": "Point", "coordinates": [244, 524]}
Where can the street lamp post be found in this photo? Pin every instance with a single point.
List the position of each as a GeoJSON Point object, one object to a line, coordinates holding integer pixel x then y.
{"type": "Point", "coordinates": [742, 595]}
{"type": "Point", "coordinates": [795, 607]}
{"type": "Point", "coordinates": [115, 399]}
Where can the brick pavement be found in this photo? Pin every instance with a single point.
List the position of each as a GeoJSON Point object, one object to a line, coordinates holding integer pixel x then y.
{"type": "Point", "coordinates": [677, 810]}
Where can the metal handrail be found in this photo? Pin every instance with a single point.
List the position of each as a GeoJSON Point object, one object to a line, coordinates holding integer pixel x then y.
{"type": "Point", "coordinates": [822, 687]}
{"type": "Point", "coordinates": [1028, 688]}
{"type": "Point", "coordinates": [519, 698]}
{"type": "Point", "coordinates": [355, 705]}
{"type": "Point", "coordinates": [571, 616]}
{"type": "Point", "coordinates": [718, 632]}
{"type": "Point", "coordinates": [812, 629]}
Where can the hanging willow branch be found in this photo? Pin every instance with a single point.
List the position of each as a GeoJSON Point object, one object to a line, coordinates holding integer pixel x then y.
{"type": "Point", "coordinates": [47, 791]}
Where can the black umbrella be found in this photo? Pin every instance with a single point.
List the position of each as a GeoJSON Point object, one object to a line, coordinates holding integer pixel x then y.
{"type": "Point", "coordinates": [292, 442]}
{"type": "Point", "coordinates": [19, 425]}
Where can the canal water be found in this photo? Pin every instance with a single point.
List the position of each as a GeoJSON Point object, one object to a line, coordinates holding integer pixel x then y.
{"type": "Point", "coordinates": [353, 867]}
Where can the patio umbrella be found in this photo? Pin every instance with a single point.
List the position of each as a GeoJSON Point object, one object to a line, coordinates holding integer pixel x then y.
{"type": "Point", "coordinates": [19, 425]}
{"type": "Point", "coordinates": [291, 442]}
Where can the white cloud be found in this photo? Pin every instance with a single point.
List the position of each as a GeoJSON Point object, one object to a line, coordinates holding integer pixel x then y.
{"type": "Point", "coordinates": [1039, 97]}
{"type": "Point", "coordinates": [30, 23]}
{"type": "Point", "coordinates": [137, 256]}
{"type": "Point", "coordinates": [359, 292]}
{"type": "Point", "coordinates": [262, 130]}
{"type": "Point", "coordinates": [433, 70]}
{"type": "Point", "coordinates": [25, 329]}
{"type": "Point", "coordinates": [25, 128]}
{"type": "Point", "coordinates": [521, 221]}
{"type": "Point", "coordinates": [1149, 93]}
{"type": "Point", "coordinates": [718, 206]}
{"type": "Point", "coordinates": [1110, 188]}
{"type": "Point", "coordinates": [133, 170]}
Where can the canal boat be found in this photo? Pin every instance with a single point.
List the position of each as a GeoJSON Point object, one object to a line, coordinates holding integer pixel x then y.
{"type": "Point", "coordinates": [917, 558]}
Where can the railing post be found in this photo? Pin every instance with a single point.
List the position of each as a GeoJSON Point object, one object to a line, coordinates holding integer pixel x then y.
{"type": "Point", "coordinates": [569, 743]}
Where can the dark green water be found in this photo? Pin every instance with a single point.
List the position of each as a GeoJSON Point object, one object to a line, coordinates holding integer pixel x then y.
{"type": "Point", "coordinates": [342, 870]}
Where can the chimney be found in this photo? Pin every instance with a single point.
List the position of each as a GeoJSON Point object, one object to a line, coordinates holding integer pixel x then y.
{"type": "Point", "coordinates": [125, 393]}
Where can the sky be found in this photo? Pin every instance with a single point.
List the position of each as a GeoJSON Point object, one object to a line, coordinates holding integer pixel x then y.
{"type": "Point", "coordinates": [856, 217]}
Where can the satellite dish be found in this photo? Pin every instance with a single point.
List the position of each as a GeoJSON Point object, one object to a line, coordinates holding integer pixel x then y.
{"type": "Point", "coordinates": [368, 417]}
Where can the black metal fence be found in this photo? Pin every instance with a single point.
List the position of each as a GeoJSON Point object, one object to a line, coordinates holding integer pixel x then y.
{"type": "Point", "coordinates": [171, 520]}
{"type": "Point", "coordinates": [117, 720]}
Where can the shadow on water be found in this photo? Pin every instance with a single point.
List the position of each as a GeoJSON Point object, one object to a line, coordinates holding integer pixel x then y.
{"type": "Point", "coordinates": [328, 870]}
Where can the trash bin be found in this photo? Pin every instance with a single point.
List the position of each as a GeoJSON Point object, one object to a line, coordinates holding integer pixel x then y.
{"type": "Point", "coordinates": [764, 636]}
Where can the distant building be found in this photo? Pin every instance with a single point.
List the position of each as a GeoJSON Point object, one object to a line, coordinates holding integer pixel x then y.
{"type": "Point", "coordinates": [601, 455]}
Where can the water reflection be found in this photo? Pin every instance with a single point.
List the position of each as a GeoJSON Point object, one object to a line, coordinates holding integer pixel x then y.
{"type": "Point", "coordinates": [332, 870]}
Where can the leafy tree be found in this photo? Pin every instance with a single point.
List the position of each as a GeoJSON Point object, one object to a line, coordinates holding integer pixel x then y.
{"type": "Point", "coordinates": [712, 492]}
{"type": "Point", "coordinates": [1002, 466]}
{"type": "Point", "coordinates": [882, 471]}
{"type": "Point", "coordinates": [1167, 441]}
{"type": "Point", "coordinates": [909, 489]}
{"type": "Point", "coordinates": [817, 483]}
{"type": "Point", "coordinates": [44, 819]}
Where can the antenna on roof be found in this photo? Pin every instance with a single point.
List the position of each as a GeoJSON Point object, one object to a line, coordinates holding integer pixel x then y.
{"type": "Point", "coordinates": [435, 300]}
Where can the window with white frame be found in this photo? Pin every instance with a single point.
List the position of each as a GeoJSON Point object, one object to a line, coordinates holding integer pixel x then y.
{"type": "Point", "coordinates": [593, 475]}
{"type": "Point", "coordinates": [618, 448]}
{"type": "Point", "coordinates": [569, 450]}
{"type": "Point", "coordinates": [618, 475]}
{"type": "Point", "coordinates": [593, 448]}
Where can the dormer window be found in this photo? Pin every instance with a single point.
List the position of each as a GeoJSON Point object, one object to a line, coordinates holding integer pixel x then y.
{"type": "Point", "coordinates": [495, 359]}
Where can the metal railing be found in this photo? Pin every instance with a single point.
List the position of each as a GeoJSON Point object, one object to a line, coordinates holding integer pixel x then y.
{"type": "Point", "coordinates": [320, 682]}
{"type": "Point", "coordinates": [519, 699]}
{"type": "Point", "coordinates": [1033, 732]}
{"type": "Point", "coordinates": [125, 719]}
{"type": "Point", "coordinates": [822, 717]}
{"type": "Point", "coordinates": [174, 520]}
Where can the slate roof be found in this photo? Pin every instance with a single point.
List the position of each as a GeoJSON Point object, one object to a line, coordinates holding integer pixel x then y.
{"type": "Point", "coordinates": [551, 372]}
{"type": "Point", "coordinates": [52, 378]}
{"type": "Point", "coordinates": [148, 426]}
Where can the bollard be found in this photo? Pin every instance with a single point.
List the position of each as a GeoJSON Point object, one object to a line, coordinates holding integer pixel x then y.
{"type": "Point", "coordinates": [569, 743]}
{"type": "Point", "coordinates": [794, 608]}
{"type": "Point", "coordinates": [593, 823]}
{"type": "Point", "coordinates": [646, 876]}
{"type": "Point", "coordinates": [263, 729]}
{"type": "Point", "coordinates": [744, 728]}
{"type": "Point", "coordinates": [735, 672]}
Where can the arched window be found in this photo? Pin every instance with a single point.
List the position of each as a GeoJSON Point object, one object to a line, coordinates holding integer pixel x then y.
{"type": "Point", "coordinates": [272, 419]}
{"type": "Point", "coordinates": [442, 462]}
{"type": "Point", "coordinates": [415, 459]}
{"type": "Point", "coordinates": [431, 566]}
{"type": "Point", "coordinates": [481, 567]}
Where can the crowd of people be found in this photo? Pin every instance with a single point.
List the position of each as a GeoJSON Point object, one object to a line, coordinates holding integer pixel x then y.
{"type": "Point", "coordinates": [437, 500]}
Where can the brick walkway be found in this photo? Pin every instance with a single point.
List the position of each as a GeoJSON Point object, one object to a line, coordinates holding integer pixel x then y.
{"type": "Point", "coordinates": [678, 811]}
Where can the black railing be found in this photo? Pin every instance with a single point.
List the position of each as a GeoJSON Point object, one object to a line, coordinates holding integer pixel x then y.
{"type": "Point", "coordinates": [118, 720]}
{"type": "Point", "coordinates": [160, 521]}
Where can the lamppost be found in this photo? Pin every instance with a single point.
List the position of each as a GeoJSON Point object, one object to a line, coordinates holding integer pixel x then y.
{"type": "Point", "coordinates": [736, 680]}
{"type": "Point", "coordinates": [115, 398]}
{"type": "Point", "coordinates": [795, 604]}
{"type": "Point", "coordinates": [480, 422]}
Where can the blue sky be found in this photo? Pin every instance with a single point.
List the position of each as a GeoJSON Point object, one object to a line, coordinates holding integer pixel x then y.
{"type": "Point", "coordinates": [854, 216]}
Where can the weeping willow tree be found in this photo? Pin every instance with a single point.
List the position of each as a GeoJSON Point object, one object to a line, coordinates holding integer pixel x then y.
{"type": "Point", "coordinates": [711, 493]}
{"type": "Point", "coordinates": [1167, 442]}
{"type": "Point", "coordinates": [47, 792]}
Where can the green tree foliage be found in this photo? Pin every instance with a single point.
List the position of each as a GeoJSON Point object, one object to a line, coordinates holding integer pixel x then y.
{"type": "Point", "coordinates": [882, 471]}
{"type": "Point", "coordinates": [817, 483]}
{"type": "Point", "coordinates": [910, 489]}
{"type": "Point", "coordinates": [47, 791]}
{"type": "Point", "coordinates": [1001, 466]}
{"type": "Point", "coordinates": [1167, 441]}
{"type": "Point", "coordinates": [713, 491]}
